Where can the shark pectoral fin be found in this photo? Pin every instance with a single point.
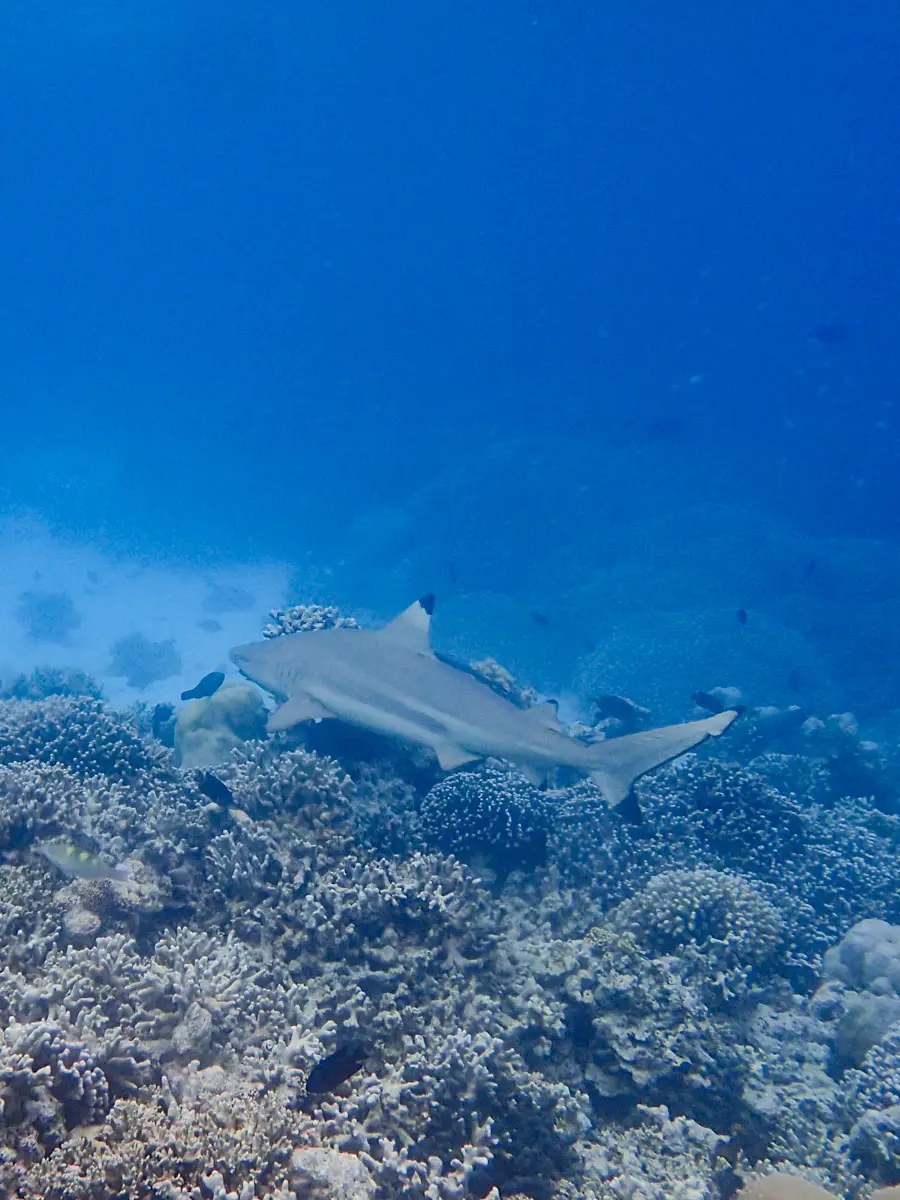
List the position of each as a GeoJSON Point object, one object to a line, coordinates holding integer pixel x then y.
{"type": "Point", "coordinates": [294, 711]}
{"type": "Point", "coordinates": [617, 764]}
{"type": "Point", "coordinates": [412, 629]}
{"type": "Point", "coordinates": [534, 776]}
{"type": "Point", "coordinates": [450, 755]}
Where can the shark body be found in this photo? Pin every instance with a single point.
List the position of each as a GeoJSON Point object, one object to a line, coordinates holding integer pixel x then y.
{"type": "Point", "coordinates": [389, 681]}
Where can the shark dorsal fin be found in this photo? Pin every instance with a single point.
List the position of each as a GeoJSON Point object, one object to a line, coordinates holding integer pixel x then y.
{"type": "Point", "coordinates": [413, 627]}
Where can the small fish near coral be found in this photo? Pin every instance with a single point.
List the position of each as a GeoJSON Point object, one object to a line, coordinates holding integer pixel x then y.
{"type": "Point", "coordinates": [162, 724]}
{"type": "Point", "coordinates": [214, 789]}
{"type": "Point", "coordinates": [391, 682]}
{"type": "Point", "coordinates": [77, 863]}
{"type": "Point", "coordinates": [620, 708]}
{"type": "Point", "coordinates": [330, 1072]}
{"type": "Point", "coordinates": [208, 686]}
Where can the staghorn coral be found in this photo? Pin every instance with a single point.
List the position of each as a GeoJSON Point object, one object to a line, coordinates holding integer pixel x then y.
{"type": "Point", "coordinates": [266, 777]}
{"type": "Point", "coordinates": [619, 1023]}
{"type": "Point", "coordinates": [794, 1108]}
{"type": "Point", "coordinates": [74, 732]}
{"type": "Point", "coordinates": [370, 910]}
{"type": "Point", "coordinates": [52, 1081]}
{"type": "Point", "coordinates": [434, 1105]}
{"type": "Point", "coordinates": [110, 989]}
{"type": "Point", "coordinates": [232, 1138]}
{"type": "Point", "coordinates": [34, 798]}
{"type": "Point", "coordinates": [873, 1101]}
{"type": "Point", "coordinates": [655, 1157]}
{"type": "Point", "coordinates": [29, 923]}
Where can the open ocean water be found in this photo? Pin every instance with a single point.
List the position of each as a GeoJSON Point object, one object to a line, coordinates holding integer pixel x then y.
{"type": "Point", "coordinates": [579, 322]}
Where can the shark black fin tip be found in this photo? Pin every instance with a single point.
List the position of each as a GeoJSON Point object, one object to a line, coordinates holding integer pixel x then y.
{"type": "Point", "coordinates": [630, 810]}
{"type": "Point", "coordinates": [427, 602]}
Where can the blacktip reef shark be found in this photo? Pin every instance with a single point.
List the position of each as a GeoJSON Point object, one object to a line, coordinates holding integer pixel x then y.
{"type": "Point", "coordinates": [389, 681]}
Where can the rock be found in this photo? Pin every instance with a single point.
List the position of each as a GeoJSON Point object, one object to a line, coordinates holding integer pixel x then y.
{"type": "Point", "coordinates": [330, 1175]}
{"type": "Point", "coordinates": [81, 924]}
{"type": "Point", "coordinates": [193, 1033]}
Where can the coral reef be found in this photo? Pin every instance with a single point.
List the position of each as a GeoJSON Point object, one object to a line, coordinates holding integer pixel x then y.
{"type": "Point", "coordinates": [76, 733]}
{"type": "Point", "coordinates": [552, 1003]}
{"type": "Point", "coordinates": [301, 618]}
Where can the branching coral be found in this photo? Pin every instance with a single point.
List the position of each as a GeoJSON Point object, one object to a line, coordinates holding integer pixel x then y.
{"type": "Point", "coordinates": [492, 814]}
{"type": "Point", "coordinates": [303, 618]}
{"type": "Point", "coordinates": [722, 925]}
{"type": "Point", "coordinates": [74, 732]}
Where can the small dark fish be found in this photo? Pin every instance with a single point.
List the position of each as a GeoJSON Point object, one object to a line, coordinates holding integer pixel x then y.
{"type": "Point", "coordinates": [451, 570]}
{"type": "Point", "coordinates": [794, 681]}
{"type": "Point", "coordinates": [619, 708]}
{"type": "Point", "coordinates": [210, 625]}
{"type": "Point", "coordinates": [208, 686]}
{"type": "Point", "coordinates": [334, 1070]}
{"type": "Point", "coordinates": [810, 569]}
{"type": "Point", "coordinates": [776, 723]}
{"type": "Point", "coordinates": [161, 714]}
{"type": "Point", "coordinates": [213, 787]}
{"type": "Point", "coordinates": [706, 700]}
{"type": "Point", "coordinates": [540, 619]}
{"type": "Point", "coordinates": [741, 615]}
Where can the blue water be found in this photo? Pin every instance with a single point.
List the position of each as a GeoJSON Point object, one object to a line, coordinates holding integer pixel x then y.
{"type": "Point", "coordinates": [456, 296]}
{"type": "Point", "coordinates": [254, 257]}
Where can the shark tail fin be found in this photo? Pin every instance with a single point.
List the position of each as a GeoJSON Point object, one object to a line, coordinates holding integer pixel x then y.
{"type": "Point", "coordinates": [618, 763]}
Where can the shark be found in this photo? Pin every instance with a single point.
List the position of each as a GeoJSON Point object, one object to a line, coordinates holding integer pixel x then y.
{"type": "Point", "coordinates": [390, 681]}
